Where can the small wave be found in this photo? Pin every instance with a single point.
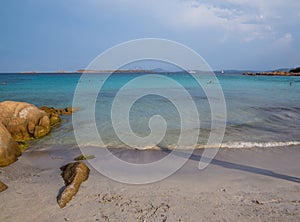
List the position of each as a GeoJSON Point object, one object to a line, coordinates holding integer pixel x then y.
{"type": "Point", "coordinates": [242, 144]}
{"type": "Point", "coordinates": [232, 145]}
{"type": "Point", "coordinates": [259, 144]}
{"type": "Point", "coordinates": [120, 146]}
{"type": "Point", "coordinates": [276, 109]}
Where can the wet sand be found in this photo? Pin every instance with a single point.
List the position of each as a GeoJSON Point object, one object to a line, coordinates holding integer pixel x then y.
{"type": "Point", "coordinates": [257, 184]}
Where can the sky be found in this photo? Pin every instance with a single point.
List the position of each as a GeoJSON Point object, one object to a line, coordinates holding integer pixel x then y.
{"type": "Point", "coordinates": [228, 34]}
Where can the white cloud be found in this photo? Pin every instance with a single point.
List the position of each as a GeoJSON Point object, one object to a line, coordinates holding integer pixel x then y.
{"type": "Point", "coordinates": [232, 21]}
{"type": "Point", "coordinates": [245, 20]}
{"type": "Point", "coordinates": [285, 40]}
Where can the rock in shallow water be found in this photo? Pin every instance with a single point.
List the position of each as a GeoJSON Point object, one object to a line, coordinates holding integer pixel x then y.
{"type": "Point", "coordinates": [19, 122]}
{"type": "Point", "coordinates": [65, 111]}
{"type": "Point", "coordinates": [54, 114]}
{"type": "Point", "coordinates": [73, 174]}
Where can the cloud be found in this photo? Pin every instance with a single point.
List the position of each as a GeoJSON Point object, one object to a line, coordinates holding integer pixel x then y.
{"type": "Point", "coordinates": [239, 19]}
{"type": "Point", "coordinates": [234, 18]}
{"type": "Point", "coordinates": [284, 41]}
{"type": "Point", "coordinates": [244, 20]}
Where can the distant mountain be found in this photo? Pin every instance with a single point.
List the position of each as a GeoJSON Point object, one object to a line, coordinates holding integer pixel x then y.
{"type": "Point", "coordinates": [230, 71]}
{"type": "Point", "coordinates": [159, 70]}
{"type": "Point", "coordinates": [162, 70]}
{"type": "Point", "coordinates": [280, 70]}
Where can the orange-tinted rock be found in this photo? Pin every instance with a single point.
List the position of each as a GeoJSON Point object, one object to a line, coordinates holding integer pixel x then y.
{"type": "Point", "coordinates": [54, 119]}
{"type": "Point", "coordinates": [68, 111]}
{"type": "Point", "coordinates": [53, 115]}
{"type": "Point", "coordinates": [40, 131]}
{"type": "Point", "coordinates": [73, 174]}
{"type": "Point", "coordinates": [9, 151]}
{"type": "Point", "coordinates": [30, 127]}
{"type": "Point", "coordinates": [23, 120]}
{"type": "Point", "coordinates": [2, 186]}
{"type": "Point", "coordinates": [65, 111]}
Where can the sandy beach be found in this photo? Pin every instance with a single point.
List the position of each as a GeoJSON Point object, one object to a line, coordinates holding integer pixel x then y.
{"type": "Point", "coordinates": [239, 185]}
{"type": "Point", "coordinates": [108, 109]}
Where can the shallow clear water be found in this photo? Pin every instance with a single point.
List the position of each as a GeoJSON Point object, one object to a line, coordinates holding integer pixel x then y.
{"type": "Point", "coordinates": [261, 111]}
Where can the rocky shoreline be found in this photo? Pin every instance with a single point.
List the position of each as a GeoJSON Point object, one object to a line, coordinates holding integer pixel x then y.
{"type": "Point", "coordinates": [21, 122]}
{"type": "Point", "coordinates": [271, 74]}
{"type": "Point", "coordinates": [239, 185]}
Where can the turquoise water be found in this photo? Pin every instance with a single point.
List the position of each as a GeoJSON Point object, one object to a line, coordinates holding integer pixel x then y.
{"type": "Point", "coordinates": [261, 111]}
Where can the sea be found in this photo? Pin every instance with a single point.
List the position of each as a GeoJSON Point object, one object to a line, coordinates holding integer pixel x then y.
{"type": "Point", "coordinates": [261, 111]}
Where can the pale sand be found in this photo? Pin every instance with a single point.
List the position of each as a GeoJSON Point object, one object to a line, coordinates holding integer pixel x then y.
{"type": "Point", "coordinates": [240, 185]}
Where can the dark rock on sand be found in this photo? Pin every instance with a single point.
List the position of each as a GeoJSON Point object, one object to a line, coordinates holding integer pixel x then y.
{"type": "Point", "coordinates": [23, 120]}
{"type": "Point", "coordinates": [2, 186]}
{"type": "Point", "coordinates": [73, 174]}
{"type": "Point", "coordinates": [9, 151]}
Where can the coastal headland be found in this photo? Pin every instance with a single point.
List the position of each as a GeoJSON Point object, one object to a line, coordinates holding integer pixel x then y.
{"type": "Point", "coordinates": [279, 72]}
{"type": "Point", "coordinates": [80, 71]}
{"type": "Point", "coordinates": [292, 72]}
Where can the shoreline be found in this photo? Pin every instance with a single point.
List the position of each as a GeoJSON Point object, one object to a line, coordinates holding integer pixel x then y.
{"type": "Point", "coordinates": [149, 72]}
{"type": "Point", "coordinates": [271, 74]}
{"type": "Point", "coordinates": [240, 184]}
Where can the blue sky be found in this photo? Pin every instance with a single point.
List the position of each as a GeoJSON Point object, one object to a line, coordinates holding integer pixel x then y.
{"type": "Point", "coordinates": [228, 34]}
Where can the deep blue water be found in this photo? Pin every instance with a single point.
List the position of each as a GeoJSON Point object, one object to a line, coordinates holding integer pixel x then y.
{"type": "Point", "coordinates": [261, 110]}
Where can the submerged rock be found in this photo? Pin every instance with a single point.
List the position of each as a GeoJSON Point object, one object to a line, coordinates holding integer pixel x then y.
{"type": "Point", "coordinates": [54, 114]}
{"type": "Point", "coordinates": [65, 111]}
{"type": "Point", "coordinates": [9, 151]}
{"type": "Point", "coordinates": [73, 174]}
{"type": "Point", "coordinates": [2, 186]}
{"type": "Point", "coordinates": [84, 157]}
{"type": "Point", "coordinates": [23, 120]}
